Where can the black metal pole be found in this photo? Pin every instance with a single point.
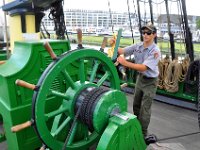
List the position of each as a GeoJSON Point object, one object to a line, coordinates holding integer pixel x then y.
{"type": "Point", "coordinates": [152, 18]}
{"type": "Point", "coordinates": [188, 36]}
{"type": "Point", "coordinates": [171, 36]}
{"type": "Point", "coordinates": [151, 11]}
{"type": "Point", "coordinates": [139, 17]}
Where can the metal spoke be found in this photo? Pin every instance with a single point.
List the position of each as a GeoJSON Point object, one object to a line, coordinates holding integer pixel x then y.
{"type": "Point", "coordinates": [55, 122]}
{"type": "Point", "coordinates": [59, 94]}
{"type": "Point", "coordinates": [69, 79]}
{"type": "Point", "coordinates": [82, 71]}
{"type": "Point", "coordinates": [103, 78]}
{"type": "Point", "coordinates": [55, 113]}
{"type": "Point", "coordinates": [94, 70]}
{"type": "Point", "coordinates": [61, 127]}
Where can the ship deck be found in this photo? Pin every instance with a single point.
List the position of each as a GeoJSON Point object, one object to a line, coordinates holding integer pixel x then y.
{"type": "Point", "coordinates": [171, 124]}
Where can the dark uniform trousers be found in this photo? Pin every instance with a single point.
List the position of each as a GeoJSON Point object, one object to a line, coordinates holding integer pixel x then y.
{"type": "Point", "coordinates": [145, 91]}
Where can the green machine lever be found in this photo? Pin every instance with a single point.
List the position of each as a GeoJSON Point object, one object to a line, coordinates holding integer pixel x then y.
{"type": "Point", "coordinates": [119, 34]}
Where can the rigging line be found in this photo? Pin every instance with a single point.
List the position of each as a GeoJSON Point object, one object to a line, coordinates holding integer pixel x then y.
{"type": "Point", "coordinates": [170, 10]}
{"type": "Point", "coordinates": [179, 136]}
{"type": "Point", "coordinates": [145, 14]}
{"type": "Point", "coordinates": [151, 11]}
{"type": "Point", "coordinates": [183, 25]}
{"type": "Point", "coordinates": [72, 127]}
{"type": "Point", "coordinates": [152, 18]}
{"type": "Point", "coordinates": [144, 1]}
{"type": "Point", "coordinates": [45, 29]}
{"type": "Point", "coordinates": [159, 23]}
{"type": "Point", "coordinates": [173, 0]}
{"type": "Point", "coordinates": [180, 22]}
{"type": "Point", "coordinates": [199, 98]}
{"type": "Point", "coordinates": [66, 31]}
{"type": "Point", "coordinates": [158, 2]}
{"type": "Point", "coordinates": [43, 36]}
{"type": "Point", "coordinates": [110, 16]}
{"type": "Point", "coordinates": [57, 15]}
{"type": "Point", "coordinates": [130, 20]}
{"type": "Point", "coordinates": [139, 19]}
{"type": "Point", "coordinates": [135, 13]}
{"type": "Point", "coordinates": [137, 16]}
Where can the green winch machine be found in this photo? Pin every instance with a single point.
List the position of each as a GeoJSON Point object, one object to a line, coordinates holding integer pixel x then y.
{"type": "Point", "coordinates": [50, 97]}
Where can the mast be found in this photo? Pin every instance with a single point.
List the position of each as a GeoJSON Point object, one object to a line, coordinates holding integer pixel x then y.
{"type": "Point", "coordinates": [188, 34]}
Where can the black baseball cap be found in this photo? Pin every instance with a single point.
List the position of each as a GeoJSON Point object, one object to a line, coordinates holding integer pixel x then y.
{"type": "Point", "coordinates": [150, 27]}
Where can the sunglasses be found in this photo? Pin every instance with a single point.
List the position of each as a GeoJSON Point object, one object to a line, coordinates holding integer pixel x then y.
{"type": "Point", "coordinates": [147, 32]}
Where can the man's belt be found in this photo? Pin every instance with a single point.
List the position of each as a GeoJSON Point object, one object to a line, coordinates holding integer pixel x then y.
{"type": "Point", "coordinates": [145, 77]}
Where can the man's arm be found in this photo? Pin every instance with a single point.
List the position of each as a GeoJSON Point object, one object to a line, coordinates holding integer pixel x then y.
{"type": "Point", "coordinates": [138, 67]}
{"type": "Point", "coordinates": [120, 51]}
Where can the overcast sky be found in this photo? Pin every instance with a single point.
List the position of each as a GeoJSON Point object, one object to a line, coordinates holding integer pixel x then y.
{"type": "Point", "coordinates": [121, 5]}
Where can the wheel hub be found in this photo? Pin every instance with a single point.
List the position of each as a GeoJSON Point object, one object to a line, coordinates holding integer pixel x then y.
{"type": "Point", "coordinates": [87, 101]}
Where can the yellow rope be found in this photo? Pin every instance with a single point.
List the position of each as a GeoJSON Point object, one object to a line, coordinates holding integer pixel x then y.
{"type": "Point", "coordinates": [112, 42]}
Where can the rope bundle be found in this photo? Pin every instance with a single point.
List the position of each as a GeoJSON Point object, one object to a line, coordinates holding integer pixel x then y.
{"type": "Point", "coordinates": [171, 73]}
{"type": "Point", "coordinates": [162, 65]}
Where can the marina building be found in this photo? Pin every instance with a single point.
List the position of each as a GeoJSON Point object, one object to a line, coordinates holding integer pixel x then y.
{"type": "Point", "coordinates": [93, 20]}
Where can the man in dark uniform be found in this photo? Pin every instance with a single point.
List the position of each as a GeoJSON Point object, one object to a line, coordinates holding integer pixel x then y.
{"type": "Point", "coordinates": [146, 56]}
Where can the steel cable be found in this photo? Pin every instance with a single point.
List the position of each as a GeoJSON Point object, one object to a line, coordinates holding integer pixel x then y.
{"type": "Point", "coordinates": [199, 96]}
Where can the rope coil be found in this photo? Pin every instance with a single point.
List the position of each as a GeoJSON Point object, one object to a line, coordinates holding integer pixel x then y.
{"type": "Point", "coordinates": [171, 73]}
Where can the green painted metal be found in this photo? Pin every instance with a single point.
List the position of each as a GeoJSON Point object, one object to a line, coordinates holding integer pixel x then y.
{"type": "Point", "coordinates": [2, 137]}
{"type": "Point", "coordinates": [122, 134]}
{"type": "Point", "coordinates": [54, 105]}
{"type": "Point", "coordinates": [119, 34]}
{"type": "Point", "coordinates": [28, 62]}
{"type": "Point", "coordinates": [62, 116]}
{"type": "Point", "coordinates": [109, 101]}
{"type": "Point", "coordinates": [180, 94]}
{"type": "Point", "coordinates": [3, 55]}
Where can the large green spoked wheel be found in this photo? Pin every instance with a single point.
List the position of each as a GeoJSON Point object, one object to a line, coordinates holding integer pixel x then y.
{"type": "Point", "coordinates": [55, 103]}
